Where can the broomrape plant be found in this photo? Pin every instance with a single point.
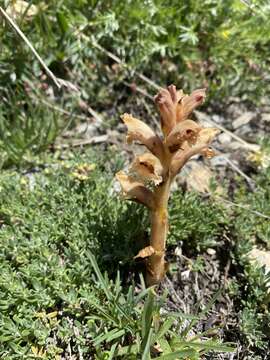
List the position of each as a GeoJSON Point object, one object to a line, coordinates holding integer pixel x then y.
{"type": "Point", "coordinates": [152, 173]}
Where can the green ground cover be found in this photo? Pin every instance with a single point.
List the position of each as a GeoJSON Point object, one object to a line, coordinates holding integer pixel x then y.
{"type": "Point", "coordinates": [51, 222]}
{"type": "Point", "coordinates": [60, 213]}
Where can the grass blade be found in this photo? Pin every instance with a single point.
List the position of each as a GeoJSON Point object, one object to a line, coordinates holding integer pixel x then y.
{"type": "Point", "coordinates": [147, 317]}
{"type": "Point", "coordinates": [146, 351]}
{"type": "Point", "coordinates": [182, 354]}
{"type": "Point", "coordinates": [99, 275]}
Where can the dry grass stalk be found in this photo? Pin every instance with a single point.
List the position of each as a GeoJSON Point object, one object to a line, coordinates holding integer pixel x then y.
{"type": "Point", "coordinates": [151, 174]}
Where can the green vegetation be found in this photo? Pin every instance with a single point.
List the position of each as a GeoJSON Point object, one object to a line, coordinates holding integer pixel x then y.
{"type": "Point", "coordinates": [51, 301]}
{"type": "Point", "coordinates": [191, 44]}
{"type": "Point", "coordinates": [189, 41]}
{"type": "Point", "coordinates": [67, 283]}
{"type": "Point", "coordinates": [51, 220]}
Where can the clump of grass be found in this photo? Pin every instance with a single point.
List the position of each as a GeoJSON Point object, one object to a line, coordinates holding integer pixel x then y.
{"type": "Point", "coordinates": [27, 128]}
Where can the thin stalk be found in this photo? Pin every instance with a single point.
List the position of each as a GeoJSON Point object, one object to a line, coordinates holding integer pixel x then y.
{"type": "Point", "coordinates": [156, 264]}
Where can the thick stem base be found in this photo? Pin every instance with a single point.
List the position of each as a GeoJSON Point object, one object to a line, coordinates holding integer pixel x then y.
{"type": "Point", "coordinates": [155, 269]}
{"type": "Point", "coordinates": [156, 264]}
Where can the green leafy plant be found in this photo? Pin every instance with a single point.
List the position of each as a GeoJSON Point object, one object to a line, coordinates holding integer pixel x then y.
{"type": "Point", "coordinates": [146, 330]}
{"type": "Point", "coordinates": [26, 128]}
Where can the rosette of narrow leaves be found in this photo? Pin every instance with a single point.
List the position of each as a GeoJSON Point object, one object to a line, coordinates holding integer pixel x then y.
{"type": "Point", "coordinates": [151, 174]}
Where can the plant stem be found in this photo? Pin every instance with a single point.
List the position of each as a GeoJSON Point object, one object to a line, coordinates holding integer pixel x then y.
{"type": "Point", "coordinates": [156, 264]}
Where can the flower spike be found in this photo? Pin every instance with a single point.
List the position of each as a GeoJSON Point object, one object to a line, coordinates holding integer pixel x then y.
{"type": "Point", "coordinates": [151, 174]}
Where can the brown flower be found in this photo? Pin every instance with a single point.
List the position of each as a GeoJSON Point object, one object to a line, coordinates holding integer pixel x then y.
{"type": "Point", "coordinates": [148, 168]}
{"type": "Point", "coordinates": [139, 131]}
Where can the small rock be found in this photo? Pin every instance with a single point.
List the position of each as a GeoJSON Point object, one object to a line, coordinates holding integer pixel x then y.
{"type": "Point", "coordinates": [243, 119]}
{"type": "Point", "coordinates": [265, 108]}
{"type": "Point", "coordinates": [199, 177]}
{"type": "Point", "coordinates": [235, 145]}
{"type": "Point", "coordinates": [265, 100]}
{"type": "Point", "coordinates": [235, 110]}
{"type": "Point", "coordinates": [234, 99]}
{"type": "Point", "coordinates": [178, 251]}
{"type": "Point", "coordinates": [224, 138]}
{"type": "Point", "coordinates": [185, 275]}
{"type": "Point", "coordinates": [203, 118]}
{"type": "Point", "coordinates": [211, 251]}
{"type": "Point", "coordinates": [220, 160]}
{"type": "Point", "coordinates": [265, 117]}
{"type": "Point", "coordinates": [261, 257]}
{"type": "Point", "coordinates": [218, 119]}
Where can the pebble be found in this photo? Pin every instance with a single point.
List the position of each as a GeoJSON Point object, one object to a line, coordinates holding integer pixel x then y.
{"type": "Point", "coordinates": [220, 160]}
{"type": "Point", "coordinates": [224, 138]}
{"type": "Point", "coordinates": [185, 275]}
{"type": "Point", "coordinates": [178, 251]}
{"type": "Point", "coordinates": [211, 251]}
{"type": "Point", "coordinates": [265, 117]}
{"type": "Point", "coordinates": [243, 119]}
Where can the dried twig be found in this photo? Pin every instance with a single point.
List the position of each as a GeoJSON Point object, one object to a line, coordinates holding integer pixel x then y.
{"type": "Point", "coordinates": [241, 206]}
{"type": "Point", "coordinates": [21, 34]}
{"type": "Point", "coordinates": [120, 62]}
{"type": "Point", "coordinates": [239, 171]}
{"type": "Point", "coordinates": [93, 141]}
{"type": "Point", "coordinates": [95, 115]}
{"type": "Point", "coordinates": [62, 111]}
{"type": "Point", "coordinates": [204, 117]}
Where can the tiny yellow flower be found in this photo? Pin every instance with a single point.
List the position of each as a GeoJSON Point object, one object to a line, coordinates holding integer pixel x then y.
{"type": "Point", "coordinates": [23, 181]}
{"type": "Point", "coordinates": [260, 158]}
{"type": "Point", "coordinates": [83, 171]}
{"type": "Point", "coordinates": [225, 34]}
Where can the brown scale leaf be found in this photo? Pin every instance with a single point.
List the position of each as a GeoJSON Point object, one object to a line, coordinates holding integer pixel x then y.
{"type": "Point", "coordinates": [135, 190]}
{"type": "Point", "coordinates": [145, 252]}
